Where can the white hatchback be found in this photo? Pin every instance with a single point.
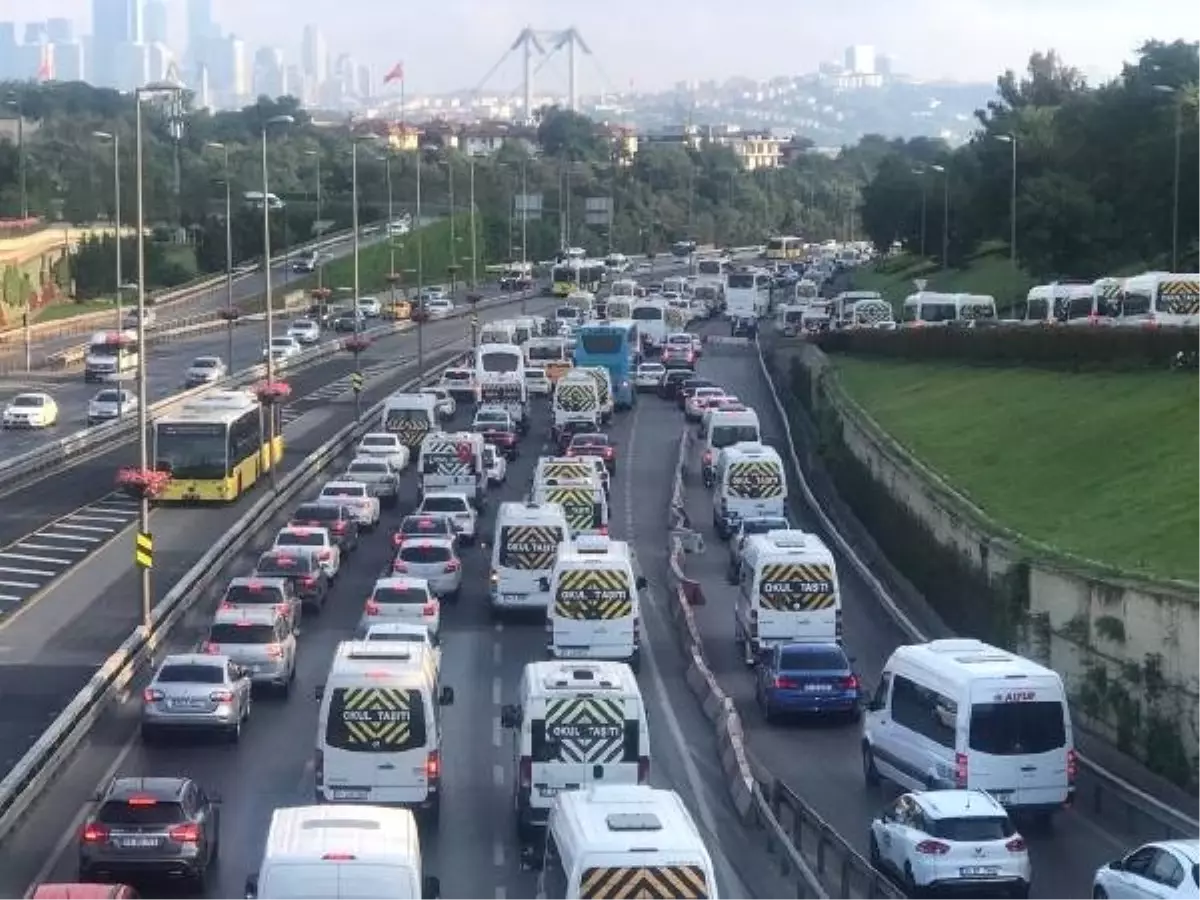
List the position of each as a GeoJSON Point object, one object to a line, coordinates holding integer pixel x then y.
{"type": "Point", "coordinates": [456, 507]}
{"type": "Point", "coordinates": [316, 541]}
{"type": "Point", "coordinates": [384, 445]}
{"type": "Point", "coordinates": [955, 841]}
{"type": "Point", "coordinates": [1166, 869]}
{"type": "Point", "coordinates": [305, 331]}
{"type": "Point", "coordinates": [403, 598]}
{"type": "Point", "coordinates": [356, 497]}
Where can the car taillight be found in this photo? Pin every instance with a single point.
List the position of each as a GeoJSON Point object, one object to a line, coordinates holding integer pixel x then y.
{"type": "Point", "coordinates": [429, 609]}
{"type": "Point", "coordinates": [399, 566]}
{"type": "Point", "coordinates": [275, 651]}
{"type": "Point", "coordinates": [372, 608]}
{"type": "Point", "coordinates": [397, 539]}
{"type": "Point", "coordinates": [1072, 766]}
{"type": "Point", "coordinates": [850, 683]}
{"type": "Point", "coordinates": [1016, 845]}
{"type": "Point", "coordinates": [433, 765]}
{"type": "Point", "coordinates": [960, 770]}
{"type": "Point", "coordinates": [282, 608]}
{"type": "Point", "coordinates": [932, 848]}
{"type": "Point", "coordinates": [708, 457]}
{"type": "Point", "coordinates": [453, 566]}
{"type": "Point", "coordinates": [338, 527]}
{"type": "Point", "coordinates": [325, 555]}
{"type": "Point", "coordinates": [308, 580]}
{"type": "Point", "coordinates": [152, 695]}
{"type": "Point", "coordinates": [94, 833]}
{"type": "Point", "coordinates": [525, 772]}
{"type": "Point", "coordinates": [643, 769]}
{"type": "Point", "coordinates": [603, 531]}
{"type": "Point", "coordinates": [221, 696]}
{"type": "Point", "coordinates": [608, 452]}
{"type": "Point", "coordinates": [211, 648]}
{"type": "Point", "coordinates": [570, 452]}
{"type": "Point", "coordinates": [783, 682]}
{"type": "Point", "coordinates": [185, 834]}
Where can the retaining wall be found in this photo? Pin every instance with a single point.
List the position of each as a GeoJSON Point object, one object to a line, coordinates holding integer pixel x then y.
{"type": "Point", "coordinates": [1128, 647]}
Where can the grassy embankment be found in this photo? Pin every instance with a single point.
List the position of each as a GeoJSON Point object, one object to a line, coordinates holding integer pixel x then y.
{"type": "Point", "coordinates": [1100, 465]}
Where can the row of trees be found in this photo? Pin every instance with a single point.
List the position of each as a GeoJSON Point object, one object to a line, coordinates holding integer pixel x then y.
{"type": "Point", "coordinates": [662, 194]}
{"type": "Point", "coordinates": [1096, 184]}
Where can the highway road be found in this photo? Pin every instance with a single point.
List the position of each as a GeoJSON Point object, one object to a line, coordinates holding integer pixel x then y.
{"type": "Point", "coordinates": [821, 762]}
{"type": "Point", "coordinates": [473, 851]}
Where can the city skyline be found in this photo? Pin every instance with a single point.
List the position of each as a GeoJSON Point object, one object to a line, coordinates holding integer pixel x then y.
{"type": "Point", "coordinates": [970, 41]}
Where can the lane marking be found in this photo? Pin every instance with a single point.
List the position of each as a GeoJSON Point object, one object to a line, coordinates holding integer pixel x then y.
{"type": "Point", "coordinates": [10, 597]}
{"type": "Point", "coordinates": [498, 853]}
{"type": "Point", "coordinates": [40, 572]}
{"type": "Point", "coordinates": [497, 651]}
{"type": "Point", "coordinates": [500, 892]}
{"type": "Point", "coordinates": [18, 584]}
{"type": "Point", "coordinates": [44, 559]}
{"type": "Point", "coordinates": [498, 775]}
{"type": "Point", "coordinates": [71, 537]}
{"type": "Point", "coordinates": [496, 691]}
{"type": "Point", "coordinates": [497, 730]}
{"type": "Point", "coordinates": [92, 528]}
{"type": "Point", "coordinates": [25, 545]}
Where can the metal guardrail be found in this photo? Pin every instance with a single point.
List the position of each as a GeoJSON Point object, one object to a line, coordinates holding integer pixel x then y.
{"type": "Point", "coordinates": [25, 782]}
{"type": "Point", "coordinates": [1108, 788]}
{"type": "Point", "coordinates": [83, 442]}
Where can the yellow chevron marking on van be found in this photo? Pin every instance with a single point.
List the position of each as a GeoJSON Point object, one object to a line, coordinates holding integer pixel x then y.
{"type": "Point", "coordinates": [796, 587]}
{"type": "Point", "coordinates": [651, 882]}
{"type": "Point", "coordinates": [585, 594]}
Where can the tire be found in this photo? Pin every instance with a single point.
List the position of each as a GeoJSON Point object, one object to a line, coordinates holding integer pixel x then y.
{"type": "Point", "coordinates": [432, 814]}
{"type": "Point", "coordinates": [1099, 893]}
{"type": "Point", "coordinates": [233, 734]}
{"type": "Point", "coordinates": [870, 773]}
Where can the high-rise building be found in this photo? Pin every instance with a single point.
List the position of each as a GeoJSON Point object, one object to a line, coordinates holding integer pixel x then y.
{"type": "Point", "coordinates": [132, 68]}
{"type": "Point", "coordinates": [114, 23]}
{"type": "Point", "coordinates": [8, 50]}
{"type": "Point", "coordinates": [202, 35]}
{"type": "Point", "coordinates": [860, 59]}
{"type": "Point", "coordinates": [69, 61]}
{"type": "Point", "coordinates": [36, 33]}
{"type": "Point", "coordinates": [366, 83]}
{"type": "Point", "coordinates": [159, 61]}
{"type": "Point", "coordinates": [237, 71]}
{"type": "Point", "coordinates": [60, 31]}
{"type": "Point", "coordinates": [136, 29]}
{"type": "Point", "coordinates": [314, 55]}
{"type": "Point", "coordinates": [294, 84]}
{"type": "Point", "coordinates": [156, 22]}
{"type": "Point", "coordinates": [269, 72]}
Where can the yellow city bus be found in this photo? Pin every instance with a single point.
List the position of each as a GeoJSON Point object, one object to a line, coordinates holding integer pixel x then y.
{"type": "Point", "coordinates": [578, 275]}
{"type": "Point", "coordinates": [216, 447]}
{"type": "Point", "coordinates": [785, 248]}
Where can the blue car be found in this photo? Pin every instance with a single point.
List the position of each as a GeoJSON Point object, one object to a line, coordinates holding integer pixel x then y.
{"type": "Point", "coordinates": [807, 678]}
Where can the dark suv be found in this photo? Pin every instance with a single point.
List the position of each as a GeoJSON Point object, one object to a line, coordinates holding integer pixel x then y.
{"type": "Point", "coordinates": [342, 526]}
{"type": "Point", "coordinates": [668, 388]}
{"type": "Point", "coordinates": [151, 827]}
{"type": "Point", "coordinates": [302, 570]}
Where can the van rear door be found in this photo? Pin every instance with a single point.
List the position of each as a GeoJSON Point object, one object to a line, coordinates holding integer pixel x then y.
{"type": "Point", "coordinates": [374, 747]}
{"type": "Point", "coordinates": [582, 739]}
{"type": "Point", "coordinates": [1018, 738]}
{"type": "Point", "coordinates": [593, 614]}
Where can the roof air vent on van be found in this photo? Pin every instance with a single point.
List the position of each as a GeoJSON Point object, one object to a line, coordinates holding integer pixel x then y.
{"type": "Point", "coordinates": [633, 822]}
{"type": "Point", "coordinates": [381, 651]}
{"type": "Point", "coordinates": [592, 544]}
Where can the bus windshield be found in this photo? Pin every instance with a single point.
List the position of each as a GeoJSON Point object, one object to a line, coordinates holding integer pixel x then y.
{"type": "Point", "coordinates": [545, 353]}
{"type": "Point", "coordinates": [602, 342]}
{"type": "Point", "coordinates": [709, 267]}
{"type": "Point", "coordinates": [500, 362]}
{"type": "Point", "coordinates": [741, 281]}
{"type": "Point", "coordinates": [191, 450]}
{"type": "Point", "coordinates": [648, 313]}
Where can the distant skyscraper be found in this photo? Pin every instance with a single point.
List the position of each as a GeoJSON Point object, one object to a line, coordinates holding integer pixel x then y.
{"type": "Point", "coordinates": [60, 31]}
{"type": "Point", "coordinates": [114, 23]}
{"type": "Point", "coordinates": [136, 29]}
{"type": "Point", "coordinates": [860, 59]}
{"type": "Point", "coordinates": [237, 71]}
{"type": "Point", "coordinates": [202, 35]}
{"type": "Point", "coordinates": [268, 72]}
{"type": "Point", "coordinates": [133, 66]}
{"type": "Point", "coordinates": [68, 61]}
{"type": "Point", "coordinates": [314, 55]}
{"type": "Point", "coordinates": [366, 84]}
{"type": "Point", "coordinates": [293, 84]}
{"type": "Point", "coordinates": [8, 50]}
{"type": "Point", "coordinates": [35, 33]}
{"type": "Point", "coordinates": [884, 65]}
{"type": "Point", "coordinates": [155, 21]}
{"type": "Point", "coordinates": [159, 62]}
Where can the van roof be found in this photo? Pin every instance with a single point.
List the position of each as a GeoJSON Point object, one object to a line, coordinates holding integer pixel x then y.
{"type": "Point", "coordinates": [364, 833]}
{"type": "Point", "coordinates": [965, 659]}
{"type": "Point", "coordinates": [402, 662]}
{"type": "Point", "coordinates": [583, 675]}
{"type": "Point", "coordinates": [616, 557]}
{"type": "Point", "coordinates": [628, 819]}
{"type": "Point", "coordinates": [791, 544]}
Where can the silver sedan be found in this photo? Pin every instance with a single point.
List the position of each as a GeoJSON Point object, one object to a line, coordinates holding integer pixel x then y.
{"type": "Point", "coordinates": [196, 691]}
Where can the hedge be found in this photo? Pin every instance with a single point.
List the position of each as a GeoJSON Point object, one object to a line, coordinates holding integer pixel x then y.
{"type": "Point", "coordinates": [1067, 348]}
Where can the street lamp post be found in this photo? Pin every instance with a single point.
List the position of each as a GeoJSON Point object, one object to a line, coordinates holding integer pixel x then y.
{"type": "Point", "coordinates": [920, 173]}
{"type": "Point", "coordinates": [15, 103]}
{"type": "Point", "coordinates": [524, 227]}
{"type": "Point", "coordinates": [116, 144]}
{"type": "Point", "coordinates": [393, 275]}
{"type": "Point", "coordinates": [355, 345]}
{"type": "Point", "coordinates": [453, 239]}
{"type": "Point", "coordinates": [945, 214]}
{"type": "Point", "coordinates": [229, 313]}
{"type": "Point", "coordinates": [316, 154]}
{"type": "Point", "coordinates": [474, 237]}
{"type": "Point", "coordinates": [143, 424]}
{"type": "Point", "coordinates": [274, 120]}
{"type": "Point", "coordinates": [1174, 92]}
{"type": "Point", "coordinates": [1011, 140]}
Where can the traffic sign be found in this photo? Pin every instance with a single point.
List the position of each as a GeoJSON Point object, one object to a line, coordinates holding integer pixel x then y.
{"type": "Point", "coordinates": [143, 550]}
{"type": "Point", "coordinates": [356, 381]}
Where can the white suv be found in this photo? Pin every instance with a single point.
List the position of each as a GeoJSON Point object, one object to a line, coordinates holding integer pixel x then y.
{"type": "Point", "coordinates": [953, 841]}
{"type": "Point", "coordinates": [456, 507]}
{"type": "Point", "coordinates": [315, 541]}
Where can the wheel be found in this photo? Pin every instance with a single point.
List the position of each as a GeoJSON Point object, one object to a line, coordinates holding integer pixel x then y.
{"type": "Point", "coordinates": [234, 733]}
{"type": "Point", "coordinates": [1099, 893]}
{"type": "Point", "coordinates": [433, 812]}
{"type": "Point", "coordinates": [870, 773]}
{"type": "Point", "coordinates": [284, 690]}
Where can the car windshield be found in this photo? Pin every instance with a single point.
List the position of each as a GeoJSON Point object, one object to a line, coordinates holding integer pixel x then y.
{"type": "Point", "coordinates": [141, 812]}
{"type": "Point", "coordinates": [303, 324]}
{"type": "Point", "coordinates": [205, 362]}
{"type": "Point", "coordinates": [347, 490]}
{"type": "Point", "coordinates": [191, 673]}
{"type": "Point", "coordinates": [300, 539]}
{"type": "Point", "coordinates": [425, 525]}
{"type": "Point", "coordinates": [253, 594]}
{"type": "Point", "coordinates": [456, 376]}
{"type": "Point", "coordinates": [812, 660]}
{"type": "Point", "coordinates": [971, 830]}
{"type": "Point", "coordinates": [370, 468]}
{"type": "Point", "coordinates": [283, 564]}
{"type": "Point", "coordinates": [242, 633]}
{"type": "Point", "coordinates": [727, 435]}
{"type": "Point", "coordinates": [762, 526]}
{"type": "Point", "coordinates": [424, 553]}
{"type": "Point", "coordinates": [27, 400]}
{"type": "Point", "coordinates": [453, 504]}
{"type": "Point", "coordinates": [589, 440]}
{"type": "Point", "coordinates": [409, 596]}
{"type": "Point", "coordinates": [281, 342]}
{"type": "Point", "coordinates": [111, 397]}
{"type": "Point", "coordinates": [380, 442]}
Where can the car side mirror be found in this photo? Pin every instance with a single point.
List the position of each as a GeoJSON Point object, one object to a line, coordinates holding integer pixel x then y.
{"type": "Point", "coordinates": [251, 890]}
{"type": "Point", "coordinates": [510, 715]}
{"type": "Point", "coordinates": [431, 887]}
{"type": "Point", "coordinates": [446, 696]}
{"type": "Point", "coordinates": [319, 692]}
{"type": "Point", "coordinates": [543, 584]}
{"type": "Point", "coordinates": [1117, 865]}
{"type": "Point", "coordinates": [641, 583]}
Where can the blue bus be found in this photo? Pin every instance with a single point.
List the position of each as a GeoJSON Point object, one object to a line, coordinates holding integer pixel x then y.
{"type": "Point", "coordinates": [615, 346]}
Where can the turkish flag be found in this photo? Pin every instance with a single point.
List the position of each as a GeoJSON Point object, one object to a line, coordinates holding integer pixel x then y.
{"type": "Point", "coordinates": [396, 73]}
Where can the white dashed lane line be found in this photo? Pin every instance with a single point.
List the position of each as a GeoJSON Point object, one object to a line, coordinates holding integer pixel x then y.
{"type": "Point", "coordinates": [28, 565]}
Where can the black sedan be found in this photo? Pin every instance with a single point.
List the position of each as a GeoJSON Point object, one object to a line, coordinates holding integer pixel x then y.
{"type": "Point", "coordinates": [151, 828]}
{"type": "Point", "coordinates": [308, 579]}
{"type": "Point", "coordinates": [668, 387]}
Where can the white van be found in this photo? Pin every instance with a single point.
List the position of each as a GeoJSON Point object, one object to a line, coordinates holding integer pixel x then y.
{"type": "Point", "coordinates": [787, 593]}
{"type": "Point", "coordinates": [750, 481]}
{"type": "Point", "coordinates": [508, 391]}
{"type": "Point", "coordinates": [959, 713]}
{"type": "Point", "coordinates": [378, 730]}
{"type": "Point", "coordinates": [726, 427]}
{"type": "Point", "coordinates": [335, 852]}
{"type": "Point", "coordinates": [603, 380]}
{"type": "Point", "coordinates": [623, 841]}
{"type": "Point", "coordinates": [523, 554]}
{"type": "Point", "coordinates": [452, 461]}
{"type": "Point", "coordinates": [575, 724]}
{"type": "Point", "coordinates": [410, 416]}
{"type": "Point", "coordinates": [583, 501]}
{"type": "Point", "coordinates": [594, 611]}
{"type": "Point", "coordinates": [498, 332]}
{"type": "Point", "coordinates": [575, 400]}
{"type": "Point", "coordinates": [926, 308]}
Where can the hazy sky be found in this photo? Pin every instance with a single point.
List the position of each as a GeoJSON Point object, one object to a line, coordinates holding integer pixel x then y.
{"type": "Point", "coordinates": [453, 43]}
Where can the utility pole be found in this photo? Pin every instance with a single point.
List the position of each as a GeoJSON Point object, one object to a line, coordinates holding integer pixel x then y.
{"type": "Point", "coordinates": [524, 227]}
{"type": "Point", "coordinates": [420, 277]}
{"type": "Point", "coordinates": [474, 236]}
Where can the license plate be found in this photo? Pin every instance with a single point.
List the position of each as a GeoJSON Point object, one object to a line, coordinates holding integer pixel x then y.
{"type": "Point", "coordinates": [512, 598]}
{"type": "Point", "coordinates": [570, 652]}
{"type": "Point", "coordinates": [1003, 797]}
{"type": "Point", "coordinates": [547, 791]}
{"type": "Point", "coordinates": [818, 688]}
{"type": "Point", "coordinates": [137, 842]}
{"type": "Point", "coordinates": [350, 794]}
{"type": "Point", "coordinates": [975, 871]}
{"type": "Point", "coordinates": [187, 703]}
